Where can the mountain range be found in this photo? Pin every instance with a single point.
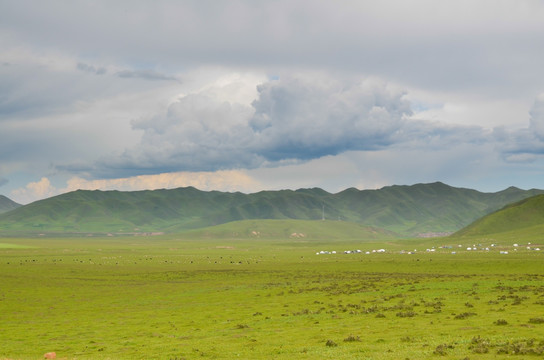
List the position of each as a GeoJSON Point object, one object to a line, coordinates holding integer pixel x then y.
{"type": "Point", "coordinates": [404, 210]}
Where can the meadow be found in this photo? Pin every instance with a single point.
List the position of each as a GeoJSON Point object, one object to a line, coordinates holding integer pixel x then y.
{"type": "Point", "coordinates": [174, 297]}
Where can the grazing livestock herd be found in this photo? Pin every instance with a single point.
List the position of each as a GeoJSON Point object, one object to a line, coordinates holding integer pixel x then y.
{"type": "Point", "coordinates": [474, 247]}
{"type": "Point", "coordinates": [324, 252]}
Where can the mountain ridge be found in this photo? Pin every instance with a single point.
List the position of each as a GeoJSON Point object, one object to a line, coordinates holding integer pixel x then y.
{"type": "Point", "coordinates": [403, 209]}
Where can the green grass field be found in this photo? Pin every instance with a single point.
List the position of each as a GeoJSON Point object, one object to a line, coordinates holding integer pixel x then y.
{"type": "Point", "coordinates": [173, 297]}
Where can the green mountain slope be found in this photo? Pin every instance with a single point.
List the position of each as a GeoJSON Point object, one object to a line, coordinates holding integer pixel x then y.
{"type": "Point", "coordinates": [302, 230]}
{"type": "Point", "coordinates": [434, 207]}
{"type": "Point", "coordinates": [7, 204]}
{"type": "Point", "coordinates": [516, 217]}
{"type": "Point", "coordinates": [406, 210]}
{"type": "Point", "coordinates": [152, 211]}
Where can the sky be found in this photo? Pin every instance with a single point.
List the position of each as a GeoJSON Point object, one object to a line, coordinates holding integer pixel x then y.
{"type": "Point", "coordinates": [253, 95]}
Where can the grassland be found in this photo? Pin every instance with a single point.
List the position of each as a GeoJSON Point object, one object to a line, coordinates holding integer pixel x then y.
{"type": "Point", "coordinates": [239, 296]}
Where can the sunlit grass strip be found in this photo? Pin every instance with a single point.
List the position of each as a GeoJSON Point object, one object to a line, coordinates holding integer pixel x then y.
{"type": "Point", "coordinates": [14, 246]}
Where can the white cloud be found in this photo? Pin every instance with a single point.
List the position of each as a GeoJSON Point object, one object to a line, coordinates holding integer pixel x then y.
{"type": "Point", "coordinates": [231, 180]}
{"type": "Point", "coordinates": [34, 191]}
{"type": "Point", "coordinates": [468, 111]}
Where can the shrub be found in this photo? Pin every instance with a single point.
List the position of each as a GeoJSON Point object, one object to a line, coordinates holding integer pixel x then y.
{"type": "Point", "coordinates": [331, 343]}
{"type": "Point", "coordinates": [352, 338]}
{"type": "Point", "coordinates": [406, 314]}
{"type": "Point", "coordinates": [501, 322]}
{"type": "Point", "coordinates": [441, 349]}
{"type": "Point", "coordinates": [522, 347]}
{"type": "Point", "coordinates": [464, 315]}
{"type": "Point", "coordinates": [479, 345]}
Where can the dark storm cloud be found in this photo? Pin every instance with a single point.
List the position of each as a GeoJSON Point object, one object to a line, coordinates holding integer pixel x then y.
{"type": "Point", "coordinates": [527, 144]}
{"type": "Point", "coordinates": [294, 119]}
{"type": "Point", "coordinates": [307, 118]}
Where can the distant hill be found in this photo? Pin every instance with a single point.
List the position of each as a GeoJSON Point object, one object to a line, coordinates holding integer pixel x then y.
{"type": "Point", "coordinates": [7, 204]}
{"type": "Point", "coordinates": [405, 210]}
{"type": "Point", "coordinates": [517, 217]}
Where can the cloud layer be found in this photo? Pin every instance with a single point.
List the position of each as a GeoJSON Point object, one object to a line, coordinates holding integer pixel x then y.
{"type": "Point", "coordinates": [456, 44]}
{"type": "Point", "coordinates": [291, 94]}
{"type": "Point", "coordinates": [296, 118]}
